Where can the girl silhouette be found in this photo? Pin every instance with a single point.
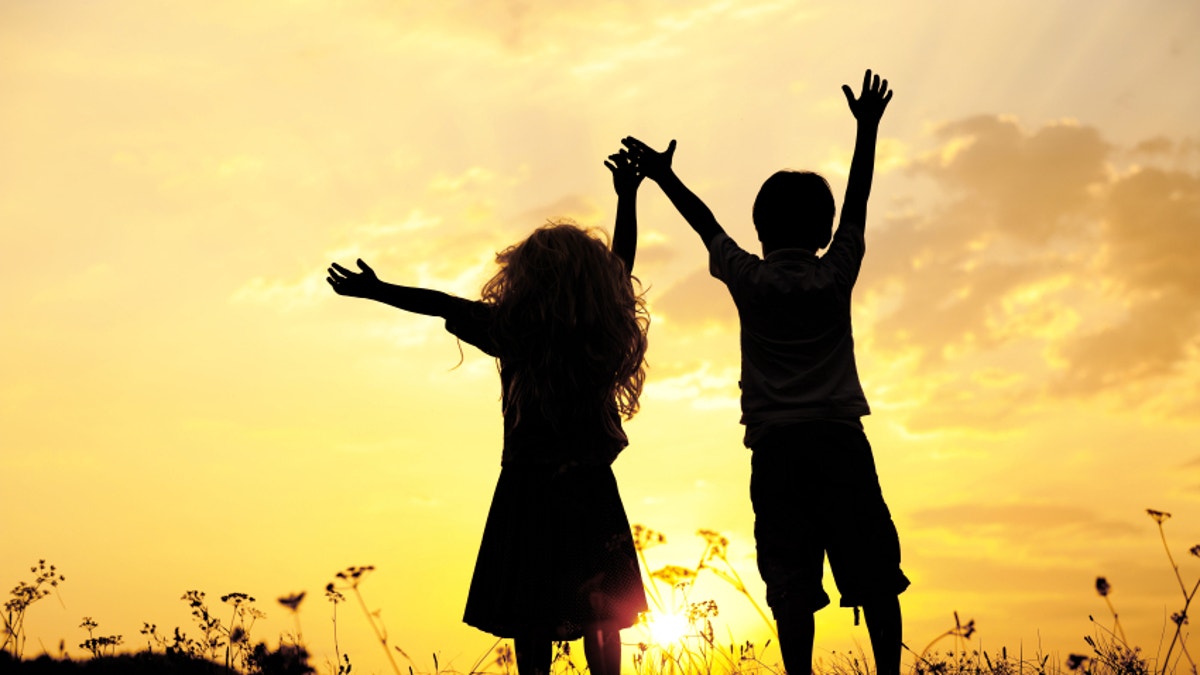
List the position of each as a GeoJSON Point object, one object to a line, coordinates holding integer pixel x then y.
{"type": "Point", "coordinates": [568, 329]}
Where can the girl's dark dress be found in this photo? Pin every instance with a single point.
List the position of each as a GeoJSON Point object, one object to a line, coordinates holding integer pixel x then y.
{"type": "Point", "coordinates": [557, 554]}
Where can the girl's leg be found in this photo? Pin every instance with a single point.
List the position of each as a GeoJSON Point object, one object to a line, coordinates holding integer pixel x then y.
{"type": "Point", "coordinates": [602, 647]}
{"type": "Point", "coordinates": [533, 655]}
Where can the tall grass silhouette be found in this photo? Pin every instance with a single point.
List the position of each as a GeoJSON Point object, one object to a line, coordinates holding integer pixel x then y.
{"type": "Point", "coordinates": [676, 636]}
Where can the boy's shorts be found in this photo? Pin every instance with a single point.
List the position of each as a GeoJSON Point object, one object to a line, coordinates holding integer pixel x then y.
{"type": "Point", "coordinates": [815, 491]}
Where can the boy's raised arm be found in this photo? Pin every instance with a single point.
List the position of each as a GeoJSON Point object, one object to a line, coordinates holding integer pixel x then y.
{"type": "Point", "coordinates": [868, 110]}
{"type": "Point", "coordinates": [366, 284]}
{"type": "Point", "coordinates": [626, 179]}
{"type": "Point", "coordinates": [657, 167]}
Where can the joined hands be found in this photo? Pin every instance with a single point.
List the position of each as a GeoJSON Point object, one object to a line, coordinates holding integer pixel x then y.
{"type": "Point", "coordinates": [652, 164]}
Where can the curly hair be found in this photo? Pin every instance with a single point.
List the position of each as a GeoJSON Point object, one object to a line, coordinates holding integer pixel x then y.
{"type": "Point", "coordinates": [569, 326]}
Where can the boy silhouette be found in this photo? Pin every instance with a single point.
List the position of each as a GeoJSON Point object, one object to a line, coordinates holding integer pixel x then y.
{"type": "Point", "coordinates": [813, 483]}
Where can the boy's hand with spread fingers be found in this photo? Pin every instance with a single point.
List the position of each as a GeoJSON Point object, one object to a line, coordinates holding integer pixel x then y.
{"type": "Point", "coordinates": [868, 110]}
{"type": "Point", "coordinates": [871, 102]}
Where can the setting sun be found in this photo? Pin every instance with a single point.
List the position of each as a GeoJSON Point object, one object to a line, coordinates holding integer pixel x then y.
{"type": "Point", "coordinates": [667, 629]}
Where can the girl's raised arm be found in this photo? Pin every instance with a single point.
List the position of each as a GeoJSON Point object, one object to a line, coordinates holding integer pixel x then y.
{"type": "Point", "coordinates": [366, 284]}
{"type": "Point", "coordinates": [626, 179]}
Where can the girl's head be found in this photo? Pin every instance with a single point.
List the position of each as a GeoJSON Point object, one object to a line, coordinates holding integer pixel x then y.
{"type": "Point", "coordinates": [569, 324]}
{"type": "Point", "coordinates": [794, 209]}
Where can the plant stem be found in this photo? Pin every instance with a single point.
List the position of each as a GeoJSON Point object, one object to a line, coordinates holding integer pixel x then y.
{"type": "Point", "coordinates": [337, 652]}
{"type": "Point", "coordinates": [475, 668]}
{"type": "Point", "coordinates": [1187, 601]}
{"type": "Point", "coordinates": [382, 639]}
{"type": "Point", "coordinates": [654, 594]}
{"type": "Point", "coordinates": [742, 587]}
{"type": "Point", "coordinates": [1116, 620]}
{"type": "Point", "coordinates": [1174, 567]}
{"type": "Point", "coordinates": [229, 644]}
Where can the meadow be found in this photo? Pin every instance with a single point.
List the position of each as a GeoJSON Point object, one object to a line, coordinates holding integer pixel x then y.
{"type": "Point", "coordinates": [676, 636]}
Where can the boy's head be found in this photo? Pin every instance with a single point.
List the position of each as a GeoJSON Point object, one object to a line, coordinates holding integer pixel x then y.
{"type": "Point", "coordinates": [794, 209]}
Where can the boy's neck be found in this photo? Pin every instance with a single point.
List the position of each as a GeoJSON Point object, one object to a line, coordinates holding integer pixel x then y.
{"type": "Point", "coordinates": [769, 250]}
{"type": "Point", "coordinates": [790, 254]}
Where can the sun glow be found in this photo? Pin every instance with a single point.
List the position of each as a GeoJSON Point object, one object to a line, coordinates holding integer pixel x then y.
{"type": "Point", "coordinates": [666, 628]}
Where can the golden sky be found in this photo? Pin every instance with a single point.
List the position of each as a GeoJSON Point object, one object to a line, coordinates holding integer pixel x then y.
{"type": "Point", "coordinates": [185, 405]}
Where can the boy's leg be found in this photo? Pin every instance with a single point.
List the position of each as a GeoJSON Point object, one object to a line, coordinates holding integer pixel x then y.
{"type": "Point", "coordinates": [796, 632]}
{"type": "Point", "coordinates": [533, 655]}
{"type": "Point", "coordinates": [602, 647]}
{"type": "Point", "coordinates": [787, 493]}
{"type": "Point", "coordinates": [885, 627]}
{"type": "Point", "coordinates": [864, 548]}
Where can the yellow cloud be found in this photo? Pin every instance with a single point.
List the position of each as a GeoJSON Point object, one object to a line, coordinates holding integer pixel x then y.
{"type": "Point", "coordinates": [703, 388]}
{"type": "Point", "coordinates": [472, 178]}
{"type": "Point", "coordinates": [240, 165]}
{"type": "Point", "coordinates": [283, 296]}
{"type": "Point", "coordinates": [952, 148]}
{"type": "Point", "coordinates": [1035, 245]}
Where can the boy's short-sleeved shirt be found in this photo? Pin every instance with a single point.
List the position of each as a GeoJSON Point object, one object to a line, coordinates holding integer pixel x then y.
{"type": "Point", "coordinates": [796, 338]}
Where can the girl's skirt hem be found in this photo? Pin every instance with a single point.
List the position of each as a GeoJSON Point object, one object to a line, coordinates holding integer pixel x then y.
{"type": "Point", "coordinates": [557, 556]}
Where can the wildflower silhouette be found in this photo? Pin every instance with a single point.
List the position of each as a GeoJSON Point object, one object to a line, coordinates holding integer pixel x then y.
{"type": "Point", "coordinates": [1103, 588]}
{"type": "Point", "coordinates": [1179, 618]}
{"type": "Point", "coordinates": [150, 630]}
{"type": "Point", "coordinates": [177, 644]}
{"type": "Point", "coordinates": [350, 578]}
{"type": "Point", "coordinates": [287, 660]}
{"type": "Point", "coordinates": [237, 650]}
{"type": "Point", "coordinates": [717, 551]}
{"type": "Point", "coordinates": [960, 631]}
{"type": "Point", "coordinates": [234, 637]}
{"type": "Point", "coordinates": [98, 645]}
{"type": "Point", "coordinates": [700, 614]}
{"type": "Point", "coordinates": [674, 575]}
{"type": "Point", "coordinates": [680, 631]}
{"type": "Point", "coordinates": [1076, 661]}
{"type": "Point", "coordinates": [1158, 516]}
{"type": "Point", "coordinates": [335, 598]}
{"type": "Point", "coordinates": [1112, 647]}
{"type": "Point", "coordinates": [23, 595]}
{"type": "Point", "coordinates": [647, 659]}
{"type": "Point", "coordinates": [1110, 654]}
{"type": "Point", "coordinates": [292, 604]}
{"type": "Point", "coordinates": [504, 658]}
{"type": "Point", "coordinates": [213, 638]}
{"type": "Point", "coordinates": [644, 538]}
